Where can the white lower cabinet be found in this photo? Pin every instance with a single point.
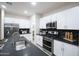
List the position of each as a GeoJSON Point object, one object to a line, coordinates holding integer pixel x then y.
{"type": "Point", "coordinates": [57, 48]}
{"type": "Point", "coordinates": [65, 49]}
{"type": "Point", "coordinates": [70, 50]}
{"type": "Point", "coordinates": [39, 40]}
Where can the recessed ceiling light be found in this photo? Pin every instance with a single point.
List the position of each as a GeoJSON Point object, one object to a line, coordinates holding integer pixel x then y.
{"type": "Point", "coordinates": [25, 12]}
{"type": "Point", "coordinates": [33, 3]}
{"type": "Point", "coordinates": [3, 6]}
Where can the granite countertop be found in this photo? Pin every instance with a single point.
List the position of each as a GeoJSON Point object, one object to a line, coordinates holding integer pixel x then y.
{"type": "Point", "coordinates": [66, 41]}
{"type": "Point", "coordinates": [46, 35]}
{"type": "Point", "coordinates": [60, 39]}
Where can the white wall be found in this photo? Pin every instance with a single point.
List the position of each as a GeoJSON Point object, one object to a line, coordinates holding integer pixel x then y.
{"type": "Point", "coordinates": [23, 23]}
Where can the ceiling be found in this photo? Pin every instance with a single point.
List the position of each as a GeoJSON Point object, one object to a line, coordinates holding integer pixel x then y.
{"type": "Point", "coordinates": [18, 8]}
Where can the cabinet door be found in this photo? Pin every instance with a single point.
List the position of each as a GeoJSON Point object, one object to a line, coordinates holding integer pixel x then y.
{"type": "Point", "coordinates": [70, 50]}
{"type": "Point", "coordinates": [44, 21]}
{"type": "Point", "coordinates": [58, 48]}
{"type": "Point", "coordinates": [68, 19]}
{"type": "Point", "coordinates": [61, 22]}
{"type": "Point", "coordinates": [39, 40]}
{"type": "Point", "coordinates": [72, 18]}
{"type": "Point", "coordinates": [54, 17]}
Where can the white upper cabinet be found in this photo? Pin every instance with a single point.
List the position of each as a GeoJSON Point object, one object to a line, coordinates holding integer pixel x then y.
{"type": "Point", "coordinates": [44, 21]}
{"type": "Point", "coordinates": [23, 23]}
{"type": "Point", "coordinates": [54, 17]}
{"type": "Point", "coordinates": [72, 18]}
{"type": "Point", "coordinates": [59, 17]}
{"type": "Point", "coordinates": [61, 22]}
{"type": "Point", "coordinates": [68, 19]}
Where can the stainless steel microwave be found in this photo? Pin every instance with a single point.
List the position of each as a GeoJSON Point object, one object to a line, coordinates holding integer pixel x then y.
{"type": "Point", "coordinates": [52, 25]}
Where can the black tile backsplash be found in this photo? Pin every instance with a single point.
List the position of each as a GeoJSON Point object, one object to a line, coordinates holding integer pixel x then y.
{"type": "Point", "coordinates": [24, 30]}
{"type": "Point", "coordinates": [61, 35]}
